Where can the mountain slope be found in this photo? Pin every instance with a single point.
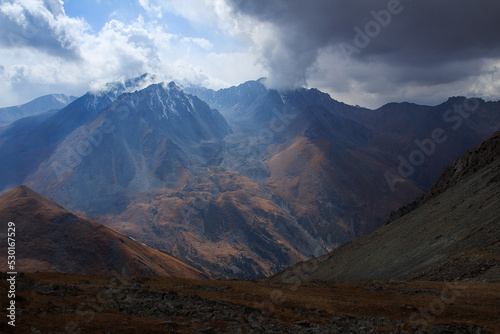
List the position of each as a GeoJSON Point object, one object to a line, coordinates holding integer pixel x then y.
{"type": "Point", "coordinates": [37, 106]}
{"type": "Point", "coordinates": [28, 142]}
{"type": "Point", "coordinates": [220, 222]}
{"type": "Point", "coordinates": [51, 238]}
{"type": "Point", "coordinates": [451, 233]}
{"type": "Point", "coordinates": [401, 129]}
{"type": "Point", "coordinates": [145, 140]}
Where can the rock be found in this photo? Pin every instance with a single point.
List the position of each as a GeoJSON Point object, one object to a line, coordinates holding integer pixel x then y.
{"type": "Point", "coordinates": [303, 323]}
{"type": "Point", "coordinates": [115, 282]}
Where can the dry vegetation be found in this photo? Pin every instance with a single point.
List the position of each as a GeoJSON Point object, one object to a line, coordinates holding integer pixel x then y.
{"type": "Point", "coordinates": [55, 303]}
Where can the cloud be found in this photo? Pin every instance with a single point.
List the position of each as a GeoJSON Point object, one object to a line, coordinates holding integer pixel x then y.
{"type": "Point", "coordinates": [418, 43]}
{"type": "Point", "coordinates": [45, 51]}
{"type": "Point", "coordinates": [154, 10]}
{"type": "Point", "coordinates": [201, 42]}
{"type": "Point", "coordinates": [365, 52]}
{"type": "Point", "coordinates": [40, 25]}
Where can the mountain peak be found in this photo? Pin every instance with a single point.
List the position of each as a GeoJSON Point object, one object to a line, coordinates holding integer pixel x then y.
{"type": "Point", "coordinates": [23, 195]}
{"type": "Point", "coordinates": [171, 85]}
{"type": "Point", "coordinates": [166, 99]}
{"type": "Point", "coordinates": [140, 80]}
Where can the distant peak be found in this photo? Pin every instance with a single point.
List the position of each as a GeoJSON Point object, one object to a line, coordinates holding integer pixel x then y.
{"type": "Point", "coordinates": [141, 81]}
{"type": "Point", "coordinates": [168, 88]}
{"type": "Point", "coordinates": [460, 99]}
{"type": "Point", "coordinates": [171, 85]}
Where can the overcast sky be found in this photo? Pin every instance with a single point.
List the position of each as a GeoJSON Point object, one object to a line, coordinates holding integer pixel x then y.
{"type": "Point", "coordinates": [365, 52]}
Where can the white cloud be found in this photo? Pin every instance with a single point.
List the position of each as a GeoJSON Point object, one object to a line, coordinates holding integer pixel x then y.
{"type": "Point", "coordinates": [15, 12]}
{"type": "Point", "coordinates": [151, 9]}
{"type": "Point", "coordinates": [60, 54]}
{"type": "Point", "coordinates": [201, 42]}
{"type": "Point", "coordinates": [43, 50]}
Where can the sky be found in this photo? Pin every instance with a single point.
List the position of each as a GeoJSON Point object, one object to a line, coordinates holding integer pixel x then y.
{"type": "Point", "coordinates": [363, 52]}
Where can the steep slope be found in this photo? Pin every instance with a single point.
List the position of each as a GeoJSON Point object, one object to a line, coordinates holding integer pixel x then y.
{"type": "Point", "coordinates": [145, 140]}
{"type": "Point", "coordinates": [220, 222]}
{"type": "Point", "coordinates": [37, 106]}
{"type": "Point", "coordinates": [327, 182]}
{"type": "Point", "coordinates": [51, 238]}
{"type": "Point", "coordinates": [25, 144]}
{"type": "Point", "coordinates": [451, 233]}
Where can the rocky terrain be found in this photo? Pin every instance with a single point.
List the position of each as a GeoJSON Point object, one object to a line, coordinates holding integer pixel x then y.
{"type": "Point", "coordinates": [450, 233]}
{"type": "Point", "coordinates": [50, 238]}
{"type": "Point", "coordinates": [88, 304]}
{"type": "Point", "coordinates": [220, 222]}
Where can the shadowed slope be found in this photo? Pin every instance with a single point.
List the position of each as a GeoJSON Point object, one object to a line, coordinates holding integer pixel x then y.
{"type": "Point", "coordinates": [451, 233]}
{"type": "Point", "coordinates": [51, 238]}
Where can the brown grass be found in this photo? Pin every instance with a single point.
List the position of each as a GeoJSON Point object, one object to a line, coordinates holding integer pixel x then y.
{"type": "Point", "coordinates": [283, 303]}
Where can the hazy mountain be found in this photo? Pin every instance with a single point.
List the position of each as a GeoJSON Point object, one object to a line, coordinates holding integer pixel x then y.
{"type": "Point", "coordinates": [27, 142]}
{"type": "Point", "coordinates": [401, 130]}
{"type": "Point", "coordinates": [450, 233]}
{"type": "Point", "coordinates": [51, 238]}
{"type": "Point", "coordinates": [145, 140]}
{"type": "Point", "coordinates": [37, 106]}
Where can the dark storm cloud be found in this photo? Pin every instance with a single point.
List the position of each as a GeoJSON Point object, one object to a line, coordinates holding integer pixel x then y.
{"type": "Point", "coordinates": [408, 35]}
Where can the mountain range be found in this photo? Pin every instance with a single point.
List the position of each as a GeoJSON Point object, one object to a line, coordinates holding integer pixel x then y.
{"type": "Point", "coordinates": [240, 182]}
{"type": "Point", "coordinates": [43, 104]}
{"type": "Point", "coordinates": [433, 268]}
